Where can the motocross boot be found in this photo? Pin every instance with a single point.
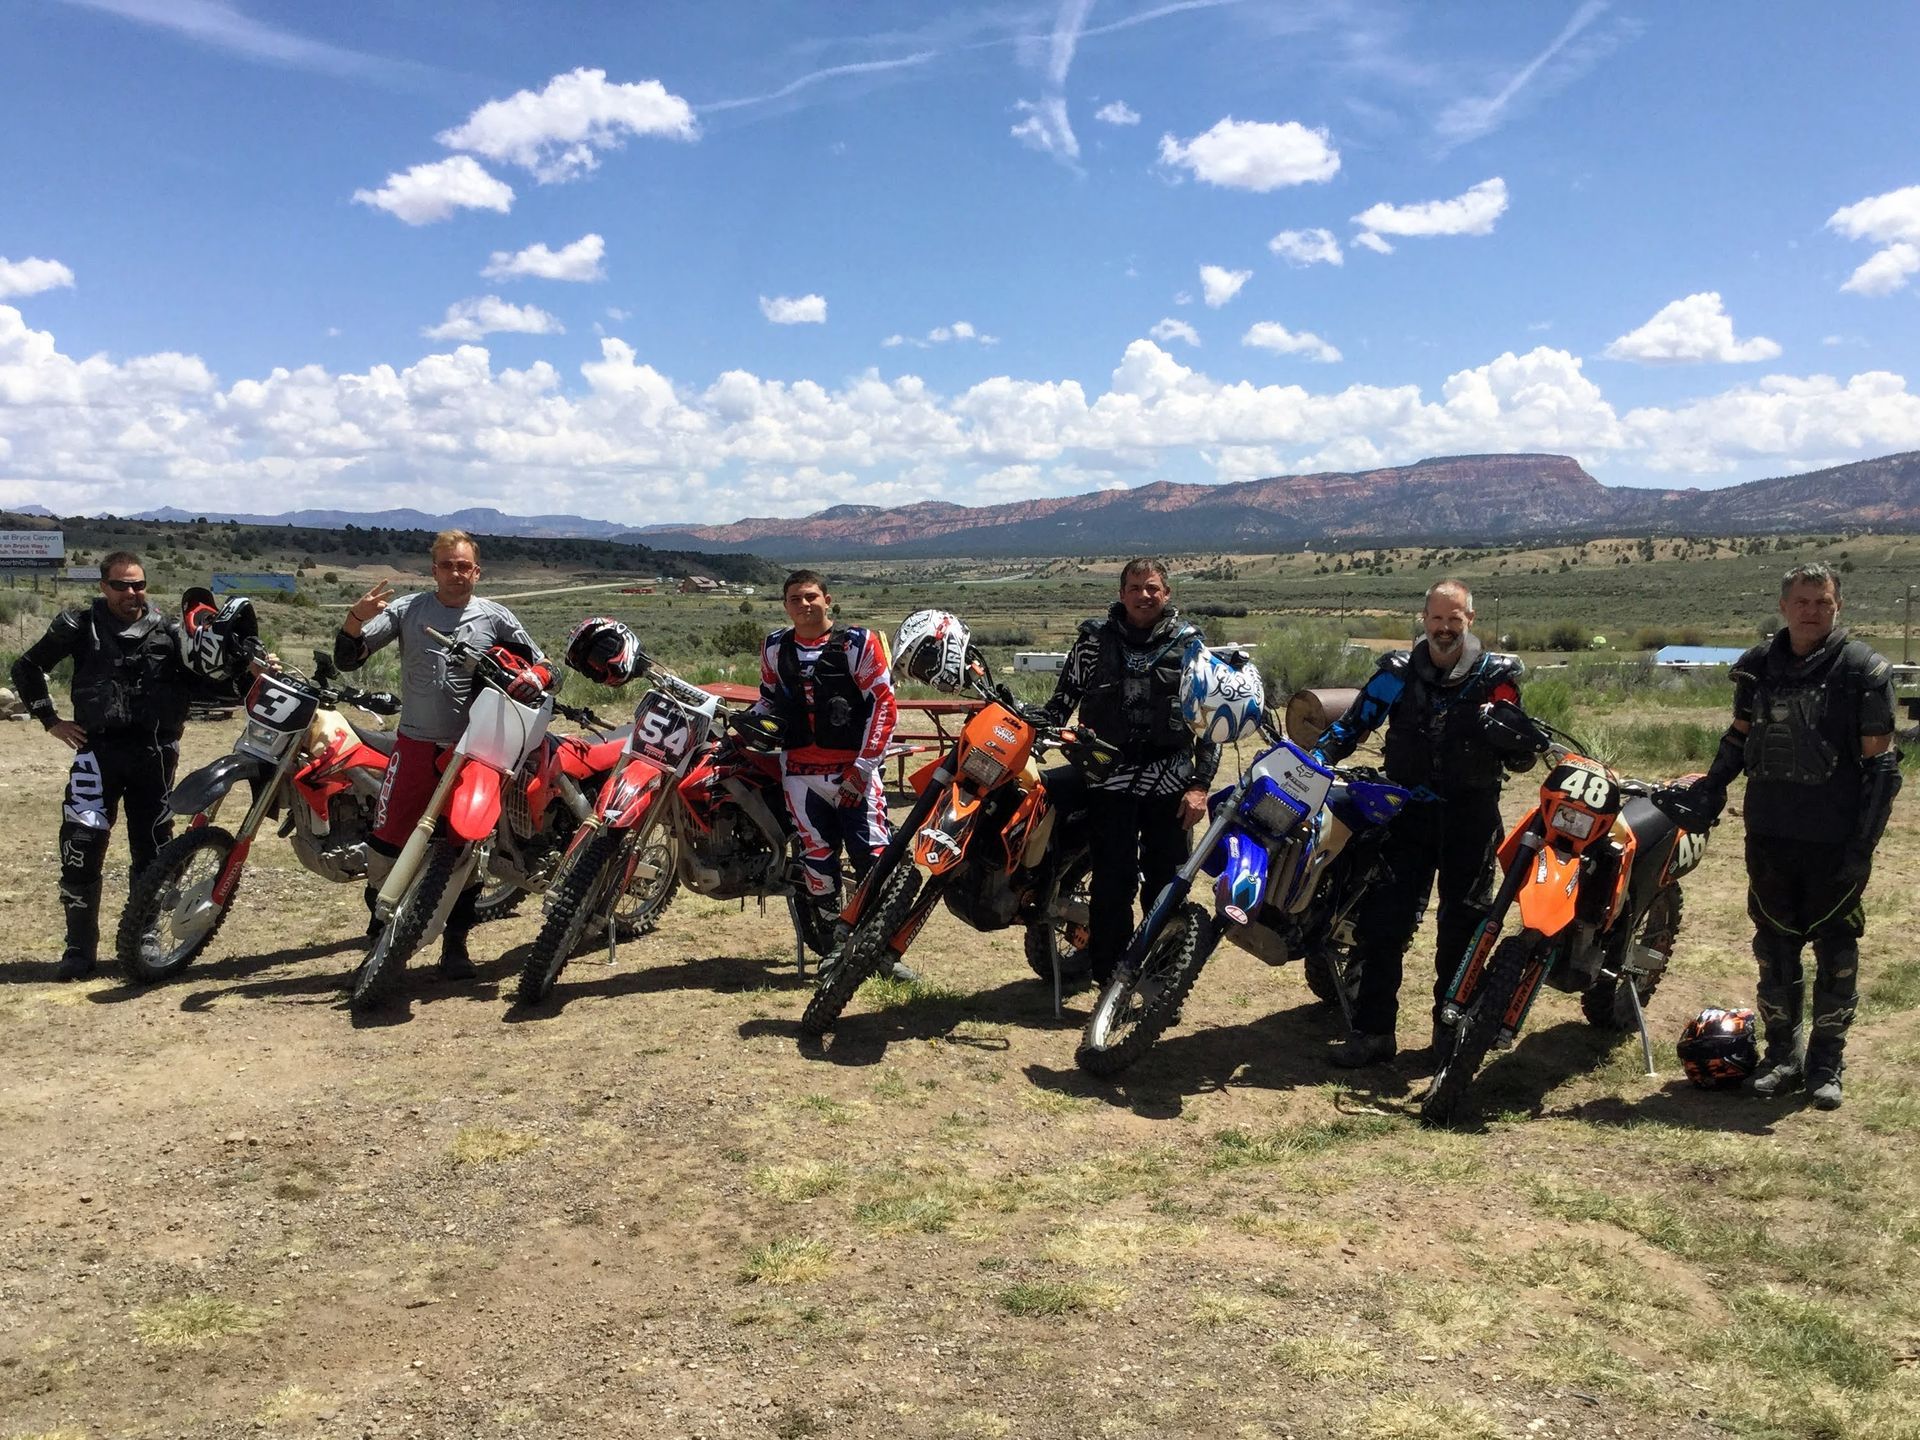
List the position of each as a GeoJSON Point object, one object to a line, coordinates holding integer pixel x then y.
{"type": "Point", "coordinates": [81, 900]}
{"type": "Point", "coordinates": [455, 962]}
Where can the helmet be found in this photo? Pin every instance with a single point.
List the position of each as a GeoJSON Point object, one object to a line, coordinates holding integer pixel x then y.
{"type": "Point", "coordinates": [1220, 700]}
{"type": "Point", "coordinates": [1717, 1048]}
{"type": "Point", "coordinates": [932, 647]}
{"type": "Point", "coordinates": [216, 643]}
{"type": "Point", "coordinates": [605, 651]}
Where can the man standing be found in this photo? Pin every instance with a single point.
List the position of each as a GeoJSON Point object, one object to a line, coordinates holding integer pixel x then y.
{"type": "Point", "coordinates": [1813, 731]}
{"type": "Point", "coordinates": [1124, 675]}
{"type": "Point", "coordinates": [130, 693]}
{"type": "Point", "coordinates": [1434, 701]}
{"type": "Point", "coordinates": [830, 687]}
{"type": "Point", "coordinates": [433, 702]}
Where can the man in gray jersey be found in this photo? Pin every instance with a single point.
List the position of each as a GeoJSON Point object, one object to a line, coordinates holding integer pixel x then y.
{"type": "Point", "coordinates": [433, 701]}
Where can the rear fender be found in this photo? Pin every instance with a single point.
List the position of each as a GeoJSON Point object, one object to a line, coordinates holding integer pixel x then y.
{"type": "Point", "coordinates": [1548, 891]}
{"type": "Point", "coordinates": [200, 790]}
{"type": "Point", "coordinates": [474, 807]}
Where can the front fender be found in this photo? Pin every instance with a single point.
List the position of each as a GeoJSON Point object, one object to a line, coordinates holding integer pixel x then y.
{"type": "Point", "coordinates": [209, 783]}
{"type": "Point", "coordinates": [474, 807]}
{"type": "Point", "coordinates": [1243, 877]}
{"type": "Point", "coordinates": [1548, 893]}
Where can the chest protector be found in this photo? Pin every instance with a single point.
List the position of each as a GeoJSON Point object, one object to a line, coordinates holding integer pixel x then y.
{"type": "Point", "coordinates": [1133, 697]}
{"type": "Point", "coordinates": [836, 718]}
{"type": "Point", "coordinates": [1802, 752]}
{"type": "Point", "coordinates": [127, 680]}
{"type": "Point", "coordinates": [1433, 731]}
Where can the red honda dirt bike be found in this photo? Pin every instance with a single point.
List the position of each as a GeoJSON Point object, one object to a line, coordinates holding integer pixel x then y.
{"type": "Point", "coordinates": [300, 757]}
{"type": "Point", "coordinates": [447, 844]}
{"type": "Point", "coordinates": [684, 806]}
{"type": "Point", "coordinates": [991, 843]}
{"type": "Point", "coordinates": [1593, 873]}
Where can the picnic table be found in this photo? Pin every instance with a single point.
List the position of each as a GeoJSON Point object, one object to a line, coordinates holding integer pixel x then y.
{"type": "Point", "coordinates": [926, 726]}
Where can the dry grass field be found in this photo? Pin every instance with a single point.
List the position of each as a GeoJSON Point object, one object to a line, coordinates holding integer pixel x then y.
{"type": "Point", "coordinates": [645, 1209]}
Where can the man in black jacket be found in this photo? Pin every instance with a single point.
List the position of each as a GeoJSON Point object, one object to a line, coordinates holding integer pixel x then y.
{"type": "Point", "coordinates": [1813, 732]}
{"type": "Point", "coordinates": [130, 693]}
{"type": "Point", "coordinates": [1124, 673]}
{"type": "Point", "coordinates": [1434, 701]}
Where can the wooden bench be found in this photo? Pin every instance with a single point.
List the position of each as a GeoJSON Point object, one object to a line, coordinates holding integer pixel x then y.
{"type": "Point", "coordinates": [926, 727]}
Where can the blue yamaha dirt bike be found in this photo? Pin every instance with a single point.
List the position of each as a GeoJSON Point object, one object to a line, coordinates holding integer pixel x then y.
{"type": "Point", "coordinates": [1293, 846]}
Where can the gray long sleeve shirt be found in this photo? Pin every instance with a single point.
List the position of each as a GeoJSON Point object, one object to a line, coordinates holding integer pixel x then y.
{"type": "Point", "coordinates": [434, 695]}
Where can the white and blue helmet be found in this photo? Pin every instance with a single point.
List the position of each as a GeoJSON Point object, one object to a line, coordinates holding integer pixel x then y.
{"type": "Point", "coordinates": [1219, 700]}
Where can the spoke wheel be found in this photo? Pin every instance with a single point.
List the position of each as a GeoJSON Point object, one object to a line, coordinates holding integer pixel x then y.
{"type": "Point", "coordinates": [379, 974]}
{"type": "Point", "coordinates": [1473, 1036]}
{"type": "Point", "coordinates": [863, 954]}
{"type": "Point", "coordinates": [646, 899]}
{"type": "Point", "coordinates": [1064, 938]}
{"type": "Point", "coordinates": [1139, 1004]}
{"type": "Point", "coordinates": [171, 916]}
{"type": "Point", "coordinates": [1606, 1003]}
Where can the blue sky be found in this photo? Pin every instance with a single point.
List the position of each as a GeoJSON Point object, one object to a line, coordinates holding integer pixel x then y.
{"type": "Point", "coordinates": [699, 261]}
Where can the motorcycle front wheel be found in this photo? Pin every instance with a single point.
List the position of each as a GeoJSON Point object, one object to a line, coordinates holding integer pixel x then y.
{"type": "Point", "coordinates": [379, 974]}
{"type": "Point", "coordinates": [1473, 1035]}
{"type": "Point", "coordinates": [1139, 1003]}
{"type": "Point", "coordinates": [571, 906]}
{"type": "Point", "coordinates": [171, 916]}
{"type": "Point", "coordinates": [863, 953]}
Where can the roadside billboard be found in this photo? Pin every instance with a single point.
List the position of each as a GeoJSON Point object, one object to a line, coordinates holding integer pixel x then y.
{"type": "Point", "coordinates": [228, 583]}
{"type": "Point", "coordinates": [32, 549]}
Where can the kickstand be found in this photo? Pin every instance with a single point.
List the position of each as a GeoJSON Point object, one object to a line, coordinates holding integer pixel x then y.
{"type": "Point", "coordinates": [1056, 980]}
{"type": "Point", "coordinates": [1640, 1019]}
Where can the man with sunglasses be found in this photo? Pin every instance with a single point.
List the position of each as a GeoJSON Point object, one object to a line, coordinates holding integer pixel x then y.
{"type": "Point", "coordinates": [433, 702]}
{"type": "Point", "coordinates": [130, 694]}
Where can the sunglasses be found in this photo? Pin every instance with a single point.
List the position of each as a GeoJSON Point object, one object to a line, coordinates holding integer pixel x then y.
{"type": "Point", "coordinates": [125, 585]}
{"type": "Point", "coordinates": [457, 567]}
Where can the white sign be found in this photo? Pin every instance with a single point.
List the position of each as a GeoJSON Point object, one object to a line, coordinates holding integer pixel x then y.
{"type": "Point", "coordinates": [82, 572]}
{"type": "Point", "coordinates": [31, 546]}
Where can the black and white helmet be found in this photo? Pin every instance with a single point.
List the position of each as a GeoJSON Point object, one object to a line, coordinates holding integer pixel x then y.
{"type": "Point", "coordinates": [605, 651]}
{"type": "Point", "coordinates": [216, 642]}
{"type": "Point", "coordinates": [931, 647]}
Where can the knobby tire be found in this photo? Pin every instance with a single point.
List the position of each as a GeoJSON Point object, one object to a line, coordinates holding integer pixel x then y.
{"type": "Point", "coordinates": [1473, 1036]}
{"type": "Point", "coordinates": [570, 906]}
{"type": "Point", "coordinates": [1117, 1034]}
{"type": "Point", "coordinates": [1045, 935]}
{"type": "Point", "coordinates": [386, 962]}
{"type": "Point", "coordinates": [864, 952]}
{"type": "Point", "coordinates": [148, 902]}
{"type": "Point", "coordinates": [1605, 1003]}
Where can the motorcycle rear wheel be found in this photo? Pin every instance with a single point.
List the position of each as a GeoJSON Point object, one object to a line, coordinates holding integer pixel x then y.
{"type": "Point", "coordinates": [1473, 1036]}
{"type": "Point", "coordinates": [379, 974]}
{"type": "Point", "coordinates": [1137, 1006]}
{"type": "Point", "coordinates": [1047, 938]}
{"type": "Point", "coordinates": [863, 954]}
{"type": "Point", "coordinates": [637, 912]}
{"type": "Point", "coordinates": [1605, 1002]}
{"type": "Point", "coordinates": [571, 906]}
{"type": "Point", "coordinates": [171, 916]}
{"type": "Point", "coordinates": [497, 900]}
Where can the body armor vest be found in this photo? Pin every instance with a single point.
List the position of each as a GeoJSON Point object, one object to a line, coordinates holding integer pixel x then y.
{"type": "Point", "coordinates": [127, 679]}
{"type": "Point", "coordinates": [1133, 697]}
{"type": "Point", "coordinates": [837, 718]}
{"type": "Point", "coordinates": [1803, 747]}
{"type": "Point", "coordinates": [1433, 731]}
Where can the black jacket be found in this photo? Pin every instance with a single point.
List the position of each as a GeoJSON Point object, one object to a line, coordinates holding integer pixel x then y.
{"type": "Point", "coordinates": [128, 678]}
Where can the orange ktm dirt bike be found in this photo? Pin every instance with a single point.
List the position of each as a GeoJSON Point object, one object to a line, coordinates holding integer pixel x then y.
{"type": "Point", "coordinates": [991, 842]}
{"type": "Point", "coordinates": [1593, 881]}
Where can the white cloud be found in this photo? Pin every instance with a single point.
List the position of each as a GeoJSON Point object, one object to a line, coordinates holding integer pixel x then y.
{"type": "Point", "coordinates": [1273, 336]}
{"type": "Point", "coordinates": [485, 314]}
{"type": "Point", "coordinates": [1219, 285]}
{"type": "Point", "coordinates": [1694, 329]}
{"type": "Point", "coordinates": [960, 332]}
{"type": "Point", "coordinates": [1117, 112]}
{"type": "Point", "coordinates": [795, 310]}
{"type": "Point", "coordinates": [1046, 127]}
{"type": "Point", "coordinates": [618, 437]}
{"type": "Point", "coordinates": [1471, 213]}
{"type": "Point", "coordinates": [579, 261]}
{"type": "Point", "coordinates": [1254, 154]}
{"type": "Point", "coordinates": [555, 132]}
{"type": "Point", "coordinates": [1307, 247]}
{"type": "Point", "coordinates": [1171, 329]}
{"type": "Point", "coordinates": [1893, 221]}
{"type": "Point", "coordinates": [31, 276]}
{"type": "Point", "coordinates": [433, 192]}
{"type": "Point", "coordinates": [616, 314]}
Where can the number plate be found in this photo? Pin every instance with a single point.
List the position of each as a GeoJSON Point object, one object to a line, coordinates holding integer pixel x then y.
{"type": "Point", "coordinates": [662, 731]}
{"type": "Point", "coordinates": [278, 706]}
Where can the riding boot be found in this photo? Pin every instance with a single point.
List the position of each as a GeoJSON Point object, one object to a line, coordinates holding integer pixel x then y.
{"type": "Point", "coordinates": [374, 923]}
{"type": "Point", "coordinates": [1779, 1000]}
{"type": "Point", "coordinates": [81, 899]}
{"type": "Point", "coordinates": [1835, 996]}
{"type": "Point", "coordinates": [455, 963]}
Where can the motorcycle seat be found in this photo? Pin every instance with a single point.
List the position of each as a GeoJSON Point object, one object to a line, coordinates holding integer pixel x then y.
{"type": "Point", "coordinates": [381, 740]}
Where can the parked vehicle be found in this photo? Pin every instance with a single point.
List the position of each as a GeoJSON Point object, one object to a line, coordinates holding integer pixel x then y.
{"type": "Point", "coordinates": [1294, 847]}
{"type": "Point", "coordinates": [1592, 875]}
{"type": "Point", "coordinates": [986, 837]}
{"type": "Point", "coordinates": [693, 799]}
{"type": "Point", "coordinates": [450, 839]}
{"type": "Point", "coordinates": [306, 765]}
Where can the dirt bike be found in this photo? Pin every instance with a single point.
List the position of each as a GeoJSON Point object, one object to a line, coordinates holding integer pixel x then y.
{"type": "Point", "coordinates": [1294, 847]}
{"type": "Point", "coordinates": [550, 798]}
{"type": "Point", "coordinates": [449, 841]}
{"type": "Point", "coordinates": [1594, 872]}
{"type": "Point", "coordinates": [992, 844]}
{"type": "Point", "coordinates": [300, 756]}
{"type": "Point", "coordinates": [684, 805]}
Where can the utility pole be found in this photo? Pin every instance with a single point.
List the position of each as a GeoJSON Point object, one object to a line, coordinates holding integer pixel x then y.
{"type": "Point", "coordinates": [1906, 632]}
{"type": "Point", "coordinates": [1497, 643]}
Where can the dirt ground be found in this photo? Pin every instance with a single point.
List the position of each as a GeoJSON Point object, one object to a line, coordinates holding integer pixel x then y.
{"type": "Point", "coordinates": [645, 1209]}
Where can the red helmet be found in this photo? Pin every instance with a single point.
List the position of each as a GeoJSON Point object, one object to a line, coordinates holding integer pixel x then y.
{"type": "Point", "coordinates": [605, 651]}
{"type": "Point", "coordinates": [1717, 1048]}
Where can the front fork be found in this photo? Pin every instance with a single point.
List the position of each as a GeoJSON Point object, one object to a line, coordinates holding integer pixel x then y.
{"type": "Point", "coordinates": [229, 877]}
{"type": "Point", "coordinates": [1466, 979]}
{"type": "Point", "coordinates": [888, 860]}
{"type": "Point", "coordinates": [1176, 890]}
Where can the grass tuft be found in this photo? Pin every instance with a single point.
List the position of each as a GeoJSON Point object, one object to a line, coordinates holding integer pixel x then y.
{"type": "Point", "coordinates": [488, 1145]}
{"type": "Point", "coordinates": [927, 1211]}
{"type": "Point", "coordinates": [189, 1324]}
{"type": "Point", "coordinates": [1798, 1342]}
{"type": "Point", "coordinates": [1327, 1357]}
{"type": "Point", "coordinates": [1412, 1417]}
{"type": "Point", "coordinates": [1057, 1297]}
{"type": "Point", "coordinates": [806, 1180]}
{"type": "Point", "coordinates": [785, 1262]}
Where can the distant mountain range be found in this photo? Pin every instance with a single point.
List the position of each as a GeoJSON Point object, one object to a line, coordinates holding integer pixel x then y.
{"type": "Point", "coordinates": [1463, 497]}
